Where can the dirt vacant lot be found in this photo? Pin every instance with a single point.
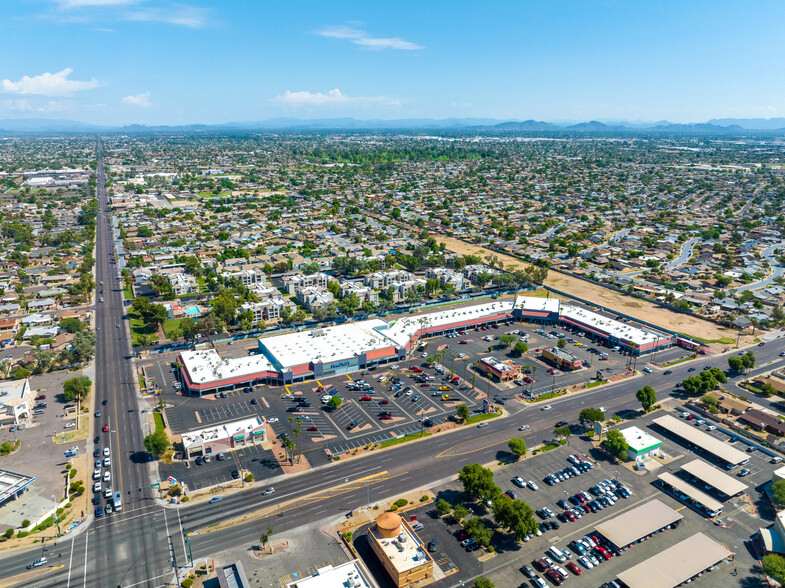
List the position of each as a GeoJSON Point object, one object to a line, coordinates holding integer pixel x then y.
{"type": "Point", "coordinates": [610, 299]}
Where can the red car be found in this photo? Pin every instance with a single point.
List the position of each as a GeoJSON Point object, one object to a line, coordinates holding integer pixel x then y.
{"type": "Point", "coordinates": [462, 535]}
{"type": "Point", "coordinates": [455, 380]}
{"type": "Point", "coordinates": [540, 564]}
{"type": "Point", "coordinates": [41, 397]}
{"type": "Point", "coordinates": [384, 402]}
{"type": "Point", "coordinates": [463, 342]}
{"type": "Point", "coordinates": [570, 516]}
{"type": "Point", "coordinates": [425, 384]}
{"type": "Point", "coordinates": [365, 398]}
{"type": "Point", "coordinates": [386, 417]}
{"type": "Point", "coordinates": [581, 498]}
{"type": "Point", "coordinates": [554, 577]}
{"type": "Point", "coordinates": [313, 429]}
{"type": "Point", "coordinates": [416, 369]}
{"type": "Point", "coordinates": [105, 429]}
{"type": "Point", "coordinates": [602, 552]}
{"type": "Point", "coordinates": [573, 568]}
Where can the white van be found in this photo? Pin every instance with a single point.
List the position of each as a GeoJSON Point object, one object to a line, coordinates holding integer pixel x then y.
{"type": "Point", "coordinates": [556, 554]}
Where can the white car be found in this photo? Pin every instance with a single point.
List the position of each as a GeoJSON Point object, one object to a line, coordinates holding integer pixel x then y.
{"type": "Point", "coordinates": [107, 462]}
{"type": "Point", "coordinates": [711, 428]}
{"type": "Point", "coordinates": [97, 487]}
{"type": "Point", "coordinates": [523, 427]}
{"type": "Point", "coordinates": [106, 452]}
{"type": "Point", "coordinates": [518, 481]}
{"type": "Point", "coordinates": [585, 562]}
{"type": "Point", "coordinates": [96, 474]}
{"type": "Point", "coordinates": [107, 476]}
{"type": "Point", "coordinates": [273, 420]}
{"type": "Point", "coordinates": [270, 490]}
{"type": "Point", "coordinates": [546, 407]}
{"type": "Point", "coordinates": [532, 485]}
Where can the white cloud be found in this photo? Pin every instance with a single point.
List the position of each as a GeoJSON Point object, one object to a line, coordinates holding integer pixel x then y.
{"type": "Point", "coordinates": [332, 98]}
{"type": "Point", "coordinates": [363, 39]}
{"type": "Point", "coordinates": [181, 15]}
{"type": "Point", "coordinates": [48, 84]}
{"type": "Point", "coordinates": [25, 106]}
{"type": "Point", "coordinates": [140, 100]}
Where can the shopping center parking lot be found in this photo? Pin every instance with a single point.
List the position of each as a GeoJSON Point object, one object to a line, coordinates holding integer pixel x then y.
{"type": "Point", "coordinates": [377, 413]}
{"type": "Point", "coordinates": [743, 516]}
{"type": "Point", "coordinates": [258, 461]}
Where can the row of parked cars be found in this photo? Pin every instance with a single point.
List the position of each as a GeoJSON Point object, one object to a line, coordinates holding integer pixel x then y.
{"type": "Point", "coordinates": [579, 466]}
{"type": "Point", "coordinates": [590, 551]}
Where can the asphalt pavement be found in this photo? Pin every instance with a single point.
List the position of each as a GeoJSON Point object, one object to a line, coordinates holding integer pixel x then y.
{"type": "Point", "coordinates": [146, 544]}
{"type": "Point", "coordinates": [141, 545]}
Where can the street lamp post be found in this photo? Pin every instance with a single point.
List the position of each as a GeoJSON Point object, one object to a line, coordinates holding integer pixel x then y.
{"type": "Point", "coordinates": [57, 522]}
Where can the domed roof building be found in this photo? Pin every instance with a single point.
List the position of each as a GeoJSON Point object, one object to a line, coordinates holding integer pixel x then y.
{"type": "Point", "coordinates": [400, 551]}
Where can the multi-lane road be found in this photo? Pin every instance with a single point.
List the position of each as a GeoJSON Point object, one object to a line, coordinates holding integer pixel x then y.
{"type": "Point", "coordinates": [145, 544]}
{"type": "Point", "coordinates": [133, 547]}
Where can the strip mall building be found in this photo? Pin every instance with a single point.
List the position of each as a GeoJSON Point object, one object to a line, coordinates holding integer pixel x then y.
{"type": "Point", "coordinates": [351, 347]}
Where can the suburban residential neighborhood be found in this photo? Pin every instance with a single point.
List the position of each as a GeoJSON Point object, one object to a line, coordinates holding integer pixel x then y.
{"type": "Point", "coordinates": [218, 316]}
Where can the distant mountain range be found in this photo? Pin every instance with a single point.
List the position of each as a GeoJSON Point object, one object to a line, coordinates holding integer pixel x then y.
{"type": "Point", "coordinates": [714, 126]}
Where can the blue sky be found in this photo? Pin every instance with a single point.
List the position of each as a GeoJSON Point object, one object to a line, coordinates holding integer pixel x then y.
{"type": "Point", "coordinates": [200, 61]}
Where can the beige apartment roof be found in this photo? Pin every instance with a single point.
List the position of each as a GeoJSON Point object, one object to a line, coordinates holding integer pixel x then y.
{"type": "Point", "coordinates": [700, 439]}
{"type": "Point", "coordinates": [676, 564]}
{"type": "Point", "coordinates": [638, 522]}
{"type": "Point", "coordinates": [714, 477]}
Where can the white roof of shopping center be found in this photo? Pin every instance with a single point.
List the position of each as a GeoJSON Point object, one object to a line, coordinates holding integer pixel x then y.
{"type": "Point", "coordinates": [677, 564]}
{"type": "Point", "coordinates": [538, 304]}
{"type": "Point", "coordinates": [326, 344]}
{"type": "Point", "coordinates": [207, 366]}
{"type": "Point", "coordinates": [222, 431]}
{"type": "Point", "coordinates": [611, 327]}
{"type": "Point", "coordinates": [330, 344]}
{"type": "Point", "coordinates": [402, 330]}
